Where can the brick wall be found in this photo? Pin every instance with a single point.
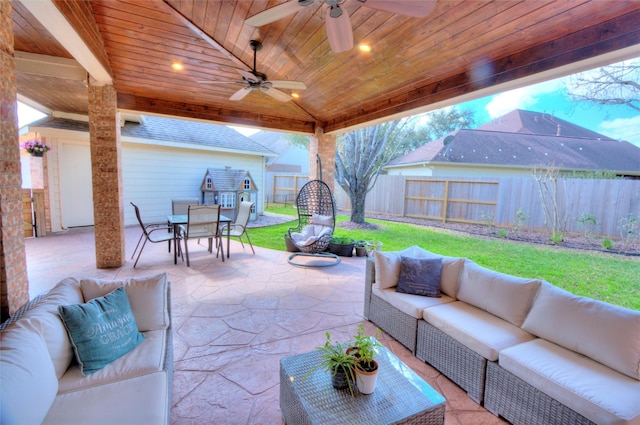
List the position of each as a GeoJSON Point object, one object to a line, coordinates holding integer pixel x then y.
{"type": "Point", "coordinates": [106, 172]}
{"type": "Point", "coordinates": [325, 146]}
{"type": "Point", "coordinates": [14, 287]}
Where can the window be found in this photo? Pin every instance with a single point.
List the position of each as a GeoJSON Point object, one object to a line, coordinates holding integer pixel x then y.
{"type": "Point", "coordinates": [247, 184]}
{"type": "Point", "coordinates": [209, 183]}
{"type": "Point", "coordinates": [227, 200]}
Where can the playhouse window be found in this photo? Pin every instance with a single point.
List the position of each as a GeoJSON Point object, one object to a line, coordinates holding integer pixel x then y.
{"type": "Point", "coordinates": [209, 183]}
{"type": "Point", "coordinates": [247, 184]}
{"type": "Point", "coordinates": [227, 200]}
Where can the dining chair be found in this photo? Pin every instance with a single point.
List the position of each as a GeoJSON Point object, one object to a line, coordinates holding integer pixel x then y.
{"type": "Point", "coordinates": [181, 206]}
{"type": "Point", "coordinates": [149, 235]}
{"type": "Point", "coordinates": [203, 222]}
{"type": "Point", "coordinates": [238, 228]}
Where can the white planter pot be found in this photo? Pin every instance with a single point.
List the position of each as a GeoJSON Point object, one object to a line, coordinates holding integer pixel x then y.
{"type": "Point", "coordinates": [366, 381]}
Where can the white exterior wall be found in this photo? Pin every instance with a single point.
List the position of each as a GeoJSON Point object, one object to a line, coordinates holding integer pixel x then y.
{"type": "Point", "coordinates": [154, 175]}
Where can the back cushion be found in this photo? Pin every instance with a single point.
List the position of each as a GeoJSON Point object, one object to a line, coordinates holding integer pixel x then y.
{"type": "Point", "coordinates": [606, 333]}
{"type": "Point", "coordinates": [388, 268]}
{"type": "Point", "coordinates": [44, 319]}
{"type": "Point", "coordinates": [502, 295]}
{"type": "Point", "coordinates": [147, 296]}
{"type": "Point", "coordinates": [27, 377]}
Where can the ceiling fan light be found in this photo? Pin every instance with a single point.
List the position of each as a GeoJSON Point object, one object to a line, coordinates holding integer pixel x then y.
{"type": "Point", "coordinates": [339, 31]}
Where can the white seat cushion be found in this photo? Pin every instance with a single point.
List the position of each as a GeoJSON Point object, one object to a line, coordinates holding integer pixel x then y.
{"type": "Point", "coordinates": [593, 390]}
{"type": "Point", "coordinates": [413, 305]}
{"type": "Point", "coordinates": [478, 330]}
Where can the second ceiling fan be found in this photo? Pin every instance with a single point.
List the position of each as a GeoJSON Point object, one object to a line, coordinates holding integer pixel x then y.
{"type": "Point", "coordinates": [339, 31]}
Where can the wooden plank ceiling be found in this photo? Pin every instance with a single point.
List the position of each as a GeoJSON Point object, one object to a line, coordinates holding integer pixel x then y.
{"type": "Point", "coordinates": [461, 47]}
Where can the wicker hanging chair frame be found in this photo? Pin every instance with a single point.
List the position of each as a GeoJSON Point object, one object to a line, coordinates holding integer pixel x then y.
{"type": "Point", "coordinates": [315, 199]}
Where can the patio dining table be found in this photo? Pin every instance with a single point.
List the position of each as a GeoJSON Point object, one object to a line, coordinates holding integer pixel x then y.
{"type": "Point", "coordinates": [178, 219]}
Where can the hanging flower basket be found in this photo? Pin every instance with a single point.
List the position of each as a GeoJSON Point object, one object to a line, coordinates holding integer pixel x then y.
{"type": "Point", "coordinates": [35, 147]}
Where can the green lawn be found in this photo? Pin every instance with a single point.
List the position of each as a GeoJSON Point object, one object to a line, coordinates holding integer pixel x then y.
{"type": "Point", "coordinates": [607, 277]}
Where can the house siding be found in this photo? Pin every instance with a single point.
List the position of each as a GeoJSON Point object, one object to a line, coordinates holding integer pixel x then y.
{"type": "Point", "coordinates": [153, 176]}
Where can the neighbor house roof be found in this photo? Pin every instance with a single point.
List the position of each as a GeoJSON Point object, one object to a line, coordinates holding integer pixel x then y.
{"type": "Point", "coordinates": [170, 130]}
{"type": "Point", "coordinates": [526, 150]}
{"type": "Point", "coordinates": [529, 122]}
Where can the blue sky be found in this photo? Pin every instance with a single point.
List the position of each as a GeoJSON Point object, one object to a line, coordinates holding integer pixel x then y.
{"type": "Point", "coordinates": [618, 122]}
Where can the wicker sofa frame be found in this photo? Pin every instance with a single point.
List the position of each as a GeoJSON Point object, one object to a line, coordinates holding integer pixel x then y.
{"type": "Point", "coordinates": [510, 397]}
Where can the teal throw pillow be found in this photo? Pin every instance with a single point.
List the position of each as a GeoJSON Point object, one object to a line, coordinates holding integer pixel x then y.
{"type": "Point", "coordinates": [101, 330]}
{"type": "Point", "coordinates": [420, 276]}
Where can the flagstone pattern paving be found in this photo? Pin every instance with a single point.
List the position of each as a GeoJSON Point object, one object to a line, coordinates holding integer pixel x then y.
{"type": "Point", "coordinates": [233, 321]}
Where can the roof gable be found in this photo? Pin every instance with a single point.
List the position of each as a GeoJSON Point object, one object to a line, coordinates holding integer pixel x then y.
{"type": "Point", "coordinates": [227, 179]}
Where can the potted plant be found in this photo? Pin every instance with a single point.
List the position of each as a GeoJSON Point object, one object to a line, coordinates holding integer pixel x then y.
{"type": "Point", "coordinates": [361, 248]}
{"type": "Point", "coordinates": [373, 246]}
{"type": "Point", "coordinates": [35, 147]}
{"type": "Point", "coordinates": [339, 362]}
{"type": "Point", "coordinates": [366, 369]}
{"type": "Point", "coordinates": [342, 246]}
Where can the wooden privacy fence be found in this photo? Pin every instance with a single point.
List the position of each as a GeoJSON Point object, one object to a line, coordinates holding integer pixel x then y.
{"type": "Point", "coordinates": [503, 202]}
{"type": "Point", "coordinates": [285, 188]}
{"type": "Point", "coordinates": [33, 213]}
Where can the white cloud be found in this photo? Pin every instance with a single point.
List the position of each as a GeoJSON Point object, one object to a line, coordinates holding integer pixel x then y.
{"type": "Point", "coordinates": [623, 129]}
{"type": "Point", "coordinates": [522, 98]}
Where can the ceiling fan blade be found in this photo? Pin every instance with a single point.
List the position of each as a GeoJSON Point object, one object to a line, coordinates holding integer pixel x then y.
{"type": "Point", "coordinates": [240, 94]}
{"type": "Point", "coordinates": [278, 12]}
{"type": "Point", "coordinates": [415, 8]}
{"type": "Point", "coordinates": [291, 85]}
{"type": "Point", "coordinates": [220, 82]}
{"type": "Point", "coordinates": [339, 31]}
{"type": "Point", "coordinates": [277, 94]}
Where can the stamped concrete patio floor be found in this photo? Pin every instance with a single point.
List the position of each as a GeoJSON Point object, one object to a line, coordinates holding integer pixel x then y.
{"type": "Point", "coordinates": [233, 321]}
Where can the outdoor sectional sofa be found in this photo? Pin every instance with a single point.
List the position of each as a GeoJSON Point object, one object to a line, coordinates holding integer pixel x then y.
{"type": "Point", "coordinates": [41, 379]}
{"type": "Point", "coordinates": [531, 352]}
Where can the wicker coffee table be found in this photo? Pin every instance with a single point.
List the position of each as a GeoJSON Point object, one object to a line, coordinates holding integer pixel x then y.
{"type": "Point", "coordinates": [400, 397]}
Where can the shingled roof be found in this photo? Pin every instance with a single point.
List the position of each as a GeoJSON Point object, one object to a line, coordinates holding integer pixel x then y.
{"type": "Point", "coordinates": [171, 130]}
{"type": "Point", "coordinates": [227, 179]}
{"type": "Point", "coordinates": [522, 149]}
{"type": "Point", "coordinates": [528, 122]}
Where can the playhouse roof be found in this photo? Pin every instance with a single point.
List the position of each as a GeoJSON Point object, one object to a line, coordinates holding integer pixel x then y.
{"type": "Point", "coordinates": [229, 179]}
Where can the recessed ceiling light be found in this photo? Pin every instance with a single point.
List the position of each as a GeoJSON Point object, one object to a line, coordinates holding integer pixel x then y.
{"type": "Point", "coordinates": [364, 47]}
{"type": "Point", "coordinates": [296, 95]}
{"type": "Point", "coordinates": [177, 66]}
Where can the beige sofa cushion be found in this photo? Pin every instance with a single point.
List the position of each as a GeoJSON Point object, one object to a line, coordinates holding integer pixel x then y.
{"type": "Point", "coordinates": [593, 390]}
{"type": "Point", "coordinates": [147, 296]}
{"type": "Point", "coordinates": [608, 334]}
{"type": "Point", "coordinates": [388, 268]}
{"type": "Point", "coordinates": [478, 330]}
{"type": "Point", "coordinates": [44, 319]}
{"type": "Point", "coordinates": [27, 377]}
{"type": "Point", "coordinates": [508, 297]}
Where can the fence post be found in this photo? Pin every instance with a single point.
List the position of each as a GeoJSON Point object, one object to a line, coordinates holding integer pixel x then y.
{"type": "Point", "coordinates": [445, 203]}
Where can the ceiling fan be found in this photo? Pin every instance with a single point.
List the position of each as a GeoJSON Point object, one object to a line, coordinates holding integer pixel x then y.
{"type": "Point", "coordinates": [254, 80]}
{"type": "Point", "coordinates": [339, 31]}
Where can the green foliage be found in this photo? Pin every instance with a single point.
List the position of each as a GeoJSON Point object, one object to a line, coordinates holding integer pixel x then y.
{"type": "Point", "coordinates": [334, 356]}
{"type": "Point", "coordinates": [607, 244]}
{"type": "Point", "coordinates": [521, 218]}
{"type": "Point", "coordinates": [610, 278]}
{"type": "Point", "coordinates": [591, 174]}
{"type": "Point", "coordinates": [298, 140]}
{"type": "Point", "coordinates": [342, 240]}
{"type": "Point", "coordinates": [557, 237]}
{"type": "Point", "coordinates": [629, 228]}
{"type": "Point", "coordinates": [436, 124]}
{"type": "Point", "coordinates": [487, 217]}
{"type": "Point", "coordinates": [587, 223]}
{"type": "Point", "coordinates": [366, 347]}
{"type": "Point", "coordinates": [502, 233]}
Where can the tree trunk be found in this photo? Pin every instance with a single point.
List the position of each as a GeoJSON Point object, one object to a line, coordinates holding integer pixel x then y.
{"type": "Point", "coordinates": [357, 207]}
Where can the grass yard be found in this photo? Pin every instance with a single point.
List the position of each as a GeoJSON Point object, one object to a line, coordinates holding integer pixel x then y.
{"type": "Point", "coordinates": [607, 277]}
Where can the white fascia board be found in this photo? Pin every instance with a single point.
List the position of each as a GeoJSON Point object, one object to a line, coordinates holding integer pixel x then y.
{"type": "Point", "coordinates": [181, 145]}
{"type": "Point", "coordinates": [58, 132]}
{"type": "Point", "coordinates": [54, 21]}
{"type": "Point", "coordinates": [49, 66]}
{"type": "Point", "coordinates": [35, 105]}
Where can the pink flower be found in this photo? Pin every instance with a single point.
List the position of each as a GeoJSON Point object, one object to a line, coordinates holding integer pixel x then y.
{"type": "Point", "coordinates": [35, 145]}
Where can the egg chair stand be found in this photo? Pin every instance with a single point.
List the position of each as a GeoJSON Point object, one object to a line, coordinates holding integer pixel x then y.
{"type": "Point", "coordinates": [316, 222]}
